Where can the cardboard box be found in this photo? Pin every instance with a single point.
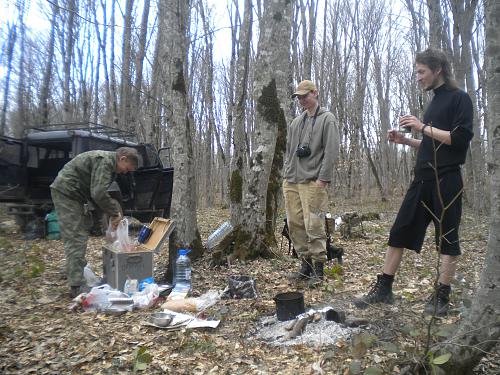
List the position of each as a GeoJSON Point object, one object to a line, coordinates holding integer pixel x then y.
{"type": "Point", "coordinates": [137, 264]}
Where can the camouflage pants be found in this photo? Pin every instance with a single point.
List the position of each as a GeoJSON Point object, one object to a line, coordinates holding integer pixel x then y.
{"type": "Point", "coordinates": [306, 206]}
{"type": "Point", "coordinates": [74, 225]}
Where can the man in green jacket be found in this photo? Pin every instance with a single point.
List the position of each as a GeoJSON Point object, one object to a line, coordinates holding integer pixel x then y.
{"type": "Point", "coordinates": [86, 178]}
{"type": "Point", "coordinates": [312, 150]}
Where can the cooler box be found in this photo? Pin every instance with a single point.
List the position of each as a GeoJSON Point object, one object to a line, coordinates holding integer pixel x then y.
{"type": "Point", "coordinates": [118, 266]}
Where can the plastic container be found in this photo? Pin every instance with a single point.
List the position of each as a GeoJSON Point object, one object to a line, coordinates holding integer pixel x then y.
{"type": "Point", "coordinates": [220, 233]}
{"type": "Point", "coordinates": [130, 286]}
{"type": "Point", "coordinates": [53, 230]}
{"type": "Point", "coordinates": [182, 278]}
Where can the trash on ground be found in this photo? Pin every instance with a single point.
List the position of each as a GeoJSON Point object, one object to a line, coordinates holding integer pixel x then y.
{"type": "Point", "coordinates": [240, 286]}
{"type": "Point", "coordinates": [187, 321]}
{"type": "Point", "coordinates": [90, 277]}
{"type": "Point", "coordinates": [195, 304]}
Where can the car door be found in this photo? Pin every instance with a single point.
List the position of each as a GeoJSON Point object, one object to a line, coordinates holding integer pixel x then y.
{"type": "Point", "coordinates": [13, 166]}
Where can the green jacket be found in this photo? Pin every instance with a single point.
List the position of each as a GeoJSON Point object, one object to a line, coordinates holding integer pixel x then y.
{"type": "Point", "coordinates": [87, 178]}
{"type": "Point", "coordinates": [323, 139]}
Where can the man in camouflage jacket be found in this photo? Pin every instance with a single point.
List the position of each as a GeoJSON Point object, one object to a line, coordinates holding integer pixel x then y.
{"type": "Point", "coordinates": [86, 178]}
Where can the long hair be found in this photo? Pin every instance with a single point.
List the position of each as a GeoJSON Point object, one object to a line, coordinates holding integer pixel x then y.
{"type": "Point", "coordinates": [435, 59]}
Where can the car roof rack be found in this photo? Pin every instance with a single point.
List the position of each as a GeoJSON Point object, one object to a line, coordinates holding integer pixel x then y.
{"type": "Point", "coordinates": [91, 127]}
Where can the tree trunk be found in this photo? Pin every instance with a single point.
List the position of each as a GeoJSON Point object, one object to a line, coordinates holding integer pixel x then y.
{"type": "Point", "coordinates": [68, 60]}
{"type": "Point", "coordinates": [479, 332]}
{"type": "Point", "coordinates": [126, 77]}
{"type": "Point", "coordinates": [239, 160]}
{"type": "Point", "coordinates": [22, 110]}
{"type": "Point", "coordinates": [112, 75]}
{"type": "Point", "coordinates": [10, 53]}
{"type": "Point", "coordinates": [174, 25]}
{"type": "Point", "coordinates": [263, 183]}
{"type": "Point", "coordinates": [47, 76]}
{"type": "Point", "coordinates": [139, 63]}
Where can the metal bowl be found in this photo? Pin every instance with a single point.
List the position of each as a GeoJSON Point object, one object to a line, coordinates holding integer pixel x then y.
{"type": "Point", "coordinates": [115, 310]}
{"type": "Point", "coordinates": [161, 319]}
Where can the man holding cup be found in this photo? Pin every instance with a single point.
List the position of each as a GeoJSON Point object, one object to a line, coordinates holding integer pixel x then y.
{"type": "Point", "coordinates": [446, 132]}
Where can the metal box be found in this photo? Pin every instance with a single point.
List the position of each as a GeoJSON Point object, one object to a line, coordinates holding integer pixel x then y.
{"type": "Point", "coordinates": [118, 266]}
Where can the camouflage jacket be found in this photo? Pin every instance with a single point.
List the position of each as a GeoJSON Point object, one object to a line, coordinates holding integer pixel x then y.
{"type": "Point", "coordinates": [87, 178]}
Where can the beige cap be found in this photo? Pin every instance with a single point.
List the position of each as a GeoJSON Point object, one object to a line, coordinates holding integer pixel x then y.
{"type": "Point", "coordinates": [304, 87]}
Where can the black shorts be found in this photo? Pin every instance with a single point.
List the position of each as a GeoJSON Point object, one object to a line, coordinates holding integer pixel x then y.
{"type": "Point", "coordinates": [408, 231]}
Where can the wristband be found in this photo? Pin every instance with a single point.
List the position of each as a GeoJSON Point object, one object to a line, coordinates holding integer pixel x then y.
{"type": "Point", "coordinates": [423, 128]}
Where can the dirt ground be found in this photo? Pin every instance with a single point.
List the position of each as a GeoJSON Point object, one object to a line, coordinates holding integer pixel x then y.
{"type": "Point", "coordinates": [40, 335]}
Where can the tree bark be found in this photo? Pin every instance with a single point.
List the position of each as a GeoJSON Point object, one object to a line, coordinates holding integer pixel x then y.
{"type": "Point", "coordinates": [47, 76]}
{"type": "Point", "coordinates": [479, 332]}
{"type": "Point", "coordinates": [10, 53]}
{"type": "Point", "coordinates": [126, 67]}
{"type": "Point", "coordinates": [174, 25]}
{"type": "Point", "coordinates": [68, 60]}
{"type": "Point", "coordinates": [239, 159]}
{"type": "Point", "coordinates": [263, 182]}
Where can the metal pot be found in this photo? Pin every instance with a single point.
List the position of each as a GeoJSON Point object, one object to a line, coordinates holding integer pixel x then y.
{"type": "Point", "coordinates": [289, 305]}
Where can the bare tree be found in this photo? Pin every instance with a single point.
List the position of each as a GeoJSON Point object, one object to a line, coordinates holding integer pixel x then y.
{"type": "Point", "coordinates": [479, 331]}
{"type": "Point", "coordinates": [126, 75]}
{"type": "Point", "coordinates": [174, 25]}
{"type": "Point", "coordinates": [263, 181]}
{"type": "Point", "coordinates": [239, 160]}
{"type": "Point", "coordinates": [68, 52]}
{"type": "Point", "coordinates": [12, 36]}
{"type": "Point", "coordinates": [47, 76]}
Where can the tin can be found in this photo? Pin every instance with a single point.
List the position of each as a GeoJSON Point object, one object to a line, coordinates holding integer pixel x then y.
{"type": "Point", "coordinates": [144, 234]}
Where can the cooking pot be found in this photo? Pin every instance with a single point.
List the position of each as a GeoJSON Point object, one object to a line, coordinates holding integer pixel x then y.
{"type": "Point", "coordinates": [289, 305]}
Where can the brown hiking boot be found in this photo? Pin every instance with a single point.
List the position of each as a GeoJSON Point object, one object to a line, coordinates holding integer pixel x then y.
{"type": "Point", "coordinates": [304, 272]}
{"type": "Point", "coordinates": [380, 292]}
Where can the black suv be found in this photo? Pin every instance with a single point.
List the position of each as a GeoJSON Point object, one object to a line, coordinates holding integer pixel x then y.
{"type": "Point", "coordinates": [29, 165]}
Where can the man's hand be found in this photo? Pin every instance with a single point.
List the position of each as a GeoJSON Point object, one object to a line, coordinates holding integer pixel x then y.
{"type": "Point", "coordinates": [396, 137]}
{"type": "Point", "coordinates": [115, 220]}
{"type": "Point", "coordinates": [321, 183]}
{"type": "Point", "coordinates": [409, 121]}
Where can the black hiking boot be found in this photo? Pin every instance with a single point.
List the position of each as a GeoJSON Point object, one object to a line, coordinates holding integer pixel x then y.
{"type": "Point", "coordinates": [317, 275]}
{"type": "Point", "coordinates": [304, 272]}
{"type": "Point", "coordinates": [380, 292]}
{"type": "Point", "coordinates": [439, 302]}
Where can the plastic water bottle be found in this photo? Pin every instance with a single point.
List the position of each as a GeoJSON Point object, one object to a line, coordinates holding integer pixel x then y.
{"type": "Point", "coordinates": [216, 237]}
{"type": "Point", "coordinates": [182, 279]}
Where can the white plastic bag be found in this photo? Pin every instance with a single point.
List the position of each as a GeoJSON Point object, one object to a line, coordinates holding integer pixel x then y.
{"type": "Point", "coordinates": [98, 298]}
{"type": "Point", "coordinates": [123, 242]}
{"type": "Point", "coordinates": [90, 277]}
{"type": "Point", "coordinates": [110, 233]}
{"type": "Point", "coordinates": [147, 297]}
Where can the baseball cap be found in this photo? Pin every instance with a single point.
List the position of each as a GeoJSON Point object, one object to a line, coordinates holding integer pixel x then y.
{"type": "Point", "coordinates": [304, 87]}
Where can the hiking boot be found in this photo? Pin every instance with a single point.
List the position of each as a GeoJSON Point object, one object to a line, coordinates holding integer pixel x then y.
{"type": "Point", "coordinates": [317, 275]}
{"type": "Point", "coordinates": [304, 272]}
{"type": "Point", "coordinates": [439, 301]}
{"type": "Point", "coordinates": [380, 292]}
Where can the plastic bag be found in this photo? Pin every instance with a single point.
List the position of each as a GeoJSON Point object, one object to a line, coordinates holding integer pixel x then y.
{"type": "Point", "coordinates": [197, 304]}
{"type": "Point", "coordinates": [147, 297]}
{"type": "Point", "coordinates": [123, 242]}
{"type": "Point", "coordinates": [90, 277]}
{"type": "Point", "coordinates": [110, 233]}
{"type": "Point", "coordinates": [240, 286]}
{"type": "Point", "coordinates": [98, 298]}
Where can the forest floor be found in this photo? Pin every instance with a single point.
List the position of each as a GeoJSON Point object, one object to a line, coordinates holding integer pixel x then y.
{"type": "Point", "coordinates": [39, 334]}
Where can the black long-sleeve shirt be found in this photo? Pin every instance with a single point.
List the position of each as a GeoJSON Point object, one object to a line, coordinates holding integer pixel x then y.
{"type": "Point", "coordinates": [449, 110]}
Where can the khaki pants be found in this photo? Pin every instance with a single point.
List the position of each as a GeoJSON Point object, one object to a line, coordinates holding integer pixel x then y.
{"type": "Point", "coordinates": [74, 225]}
{"type": "Point", "coordinates": [306, 206]}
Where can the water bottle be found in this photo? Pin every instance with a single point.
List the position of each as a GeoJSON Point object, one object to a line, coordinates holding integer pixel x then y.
{"type": "Point", "coordinates": [216, 237]}
{"type": "Point", "coordinates": [182, 279]}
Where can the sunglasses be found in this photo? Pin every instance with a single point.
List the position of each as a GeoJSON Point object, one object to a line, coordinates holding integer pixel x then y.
{"type": "Point", "coordinates": [302, 96]}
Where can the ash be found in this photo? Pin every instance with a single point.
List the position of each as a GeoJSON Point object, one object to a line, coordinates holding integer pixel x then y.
{"type": "Point", "coordinates": [316, 334]}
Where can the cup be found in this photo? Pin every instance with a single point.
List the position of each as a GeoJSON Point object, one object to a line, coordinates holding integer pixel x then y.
{"type": "Point", "coordinates": [403, 129]}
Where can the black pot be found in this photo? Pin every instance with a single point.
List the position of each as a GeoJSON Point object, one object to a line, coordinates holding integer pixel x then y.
{"type": "Point", "coordinates": [289, 305]}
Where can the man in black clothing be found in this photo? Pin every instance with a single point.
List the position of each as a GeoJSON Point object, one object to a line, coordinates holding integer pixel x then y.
{"type": "Point", "coordinates": [446, 133]}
